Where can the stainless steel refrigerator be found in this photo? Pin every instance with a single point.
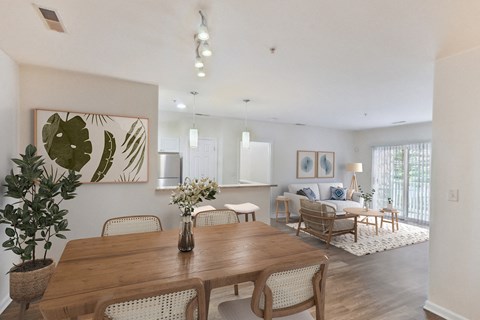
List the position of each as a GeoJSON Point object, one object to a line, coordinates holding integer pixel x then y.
{"type": "Point", "coordinates": [169, 169]}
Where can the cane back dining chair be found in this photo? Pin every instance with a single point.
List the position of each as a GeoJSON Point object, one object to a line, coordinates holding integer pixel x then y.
{"type": "Point", "coordinates": [216, 217]}
{"type": "Point", "coordinates": [183, 299]}
{"type": "Point", "coordinates": [131, 224]}
{"type": "Point", "coordinates": [323, 222]}
{"type": "Point", "coordinates": [285, 290]}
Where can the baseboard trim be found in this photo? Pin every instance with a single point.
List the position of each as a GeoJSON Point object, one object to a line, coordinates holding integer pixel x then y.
{"type": "Point", "coordinates": [442, 312]}
{"type": "Point", "coordinates": [4, 303]}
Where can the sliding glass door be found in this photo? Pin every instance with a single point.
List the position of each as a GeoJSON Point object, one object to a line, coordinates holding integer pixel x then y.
{"type": "Point", "coordinates": [402, 173]}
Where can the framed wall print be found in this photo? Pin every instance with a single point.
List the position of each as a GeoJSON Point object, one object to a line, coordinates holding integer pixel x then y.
{"type": "Point", "coordinates": [102, 148]}
{"type": "Point", "coordinates": [325, 164]}
{"type": "Point", "coordinates": [306, 164]}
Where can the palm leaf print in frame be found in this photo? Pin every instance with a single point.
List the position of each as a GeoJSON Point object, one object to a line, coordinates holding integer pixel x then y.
{"type": "Point", "coordinates": [134, 148]}
{"type": "Point", "coordinates": [119, 145]}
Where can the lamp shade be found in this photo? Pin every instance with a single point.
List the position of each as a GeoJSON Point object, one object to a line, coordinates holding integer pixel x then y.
{"type": "Point", "coordinates": [193, 137]}
{"type": "Point", "coordinates": [246, 139]}
{"type": "Point", "coordinates": [355, 167]}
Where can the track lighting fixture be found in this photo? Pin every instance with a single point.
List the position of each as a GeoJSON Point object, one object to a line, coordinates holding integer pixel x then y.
{"type": "Point", "coordinates": [202, 46]}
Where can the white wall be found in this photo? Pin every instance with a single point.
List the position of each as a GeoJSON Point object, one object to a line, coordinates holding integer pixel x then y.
{"type": "Point", "coordinates": [454, 280]}
{"type": "Point", "coordinates": [396, 135]}
{"type": "Point", "coordinates": [8, 149]}
{"type": "Point", "coordinates": [70, 91]}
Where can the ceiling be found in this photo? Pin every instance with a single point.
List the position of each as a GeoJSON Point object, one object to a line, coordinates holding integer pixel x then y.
{"type": "Point", "coordinates": [351, 64]}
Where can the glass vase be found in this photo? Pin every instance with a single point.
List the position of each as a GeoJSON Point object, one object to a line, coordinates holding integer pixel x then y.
{"type": "Point", "coordinates": [186, 242]}
{"type": "Point", "coordinates": [366, 205]}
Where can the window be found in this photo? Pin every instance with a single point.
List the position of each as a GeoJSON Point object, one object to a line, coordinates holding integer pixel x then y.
{"type": "Point", "coordinates": [403, 174]}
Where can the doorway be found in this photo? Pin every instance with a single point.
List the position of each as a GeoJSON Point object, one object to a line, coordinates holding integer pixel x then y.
{"type": "Point", "coordinates": [203, 160]}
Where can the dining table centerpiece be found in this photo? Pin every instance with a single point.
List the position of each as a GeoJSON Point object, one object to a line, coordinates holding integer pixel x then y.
{"type": "Point", "coordinates": [187, 196]}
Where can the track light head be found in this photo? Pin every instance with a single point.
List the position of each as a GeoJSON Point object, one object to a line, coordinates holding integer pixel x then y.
{"type": "Point", "coordinates": [198, 63]}
{"type": "Point", "coordinates": [205, 50]}
{"type": "Point", "coordinates": [201, 73]}
{"type": "Point", "coordinates": [202, 33]}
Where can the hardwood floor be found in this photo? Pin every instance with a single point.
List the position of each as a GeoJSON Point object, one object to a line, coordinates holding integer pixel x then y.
{"type": "Point", "coordinates": [388, 285]}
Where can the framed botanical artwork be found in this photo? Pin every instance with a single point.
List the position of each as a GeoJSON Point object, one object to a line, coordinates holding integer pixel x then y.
{"type": "Point", "coordinates": [102, 148]}
{"type": "Point", "coordinates": [325, 164]}
{"type": "Point", "coordinates": [306, 164]}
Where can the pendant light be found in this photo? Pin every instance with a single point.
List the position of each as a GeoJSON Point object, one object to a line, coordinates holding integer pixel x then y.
{"type": "Point", "coordinates": [246, 133]}
{"type": "Point", "coordinates": [193, 134]}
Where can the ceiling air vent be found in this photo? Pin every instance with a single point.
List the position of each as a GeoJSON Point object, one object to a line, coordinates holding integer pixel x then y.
{"type": "Point", "coordinates": [51, 19]}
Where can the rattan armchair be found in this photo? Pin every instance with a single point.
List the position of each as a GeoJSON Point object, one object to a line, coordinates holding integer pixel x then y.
{"type": "Point", "coordinates": [215, 217]}
{"type": "Point", "coordinates": [322, 221]}
{"type": "Point", "coordinates": [169, 301]}
{"type": "Point", "coordinates": [131, 224]}
{"type": "Point", "coordinates": [286, 290]}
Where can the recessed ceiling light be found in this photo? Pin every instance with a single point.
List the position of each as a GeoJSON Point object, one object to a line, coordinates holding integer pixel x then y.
{"type": "Point", "coordinates": [179, 105]}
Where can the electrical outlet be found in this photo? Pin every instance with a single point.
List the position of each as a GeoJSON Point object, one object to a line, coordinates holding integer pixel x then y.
{"type": "Point", "coordinates": [453, 195]}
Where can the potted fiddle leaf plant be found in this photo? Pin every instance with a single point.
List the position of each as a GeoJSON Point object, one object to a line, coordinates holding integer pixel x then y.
{"type": "Point", "coordinates": [34, 220]}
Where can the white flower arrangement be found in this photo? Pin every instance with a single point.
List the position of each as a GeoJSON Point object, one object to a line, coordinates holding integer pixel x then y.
{"type": "Point", "coordinates": [191, 192]}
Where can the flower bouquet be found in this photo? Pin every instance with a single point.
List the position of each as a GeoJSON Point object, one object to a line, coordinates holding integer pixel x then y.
{"type": "Point", "coordinates": [187, 195]}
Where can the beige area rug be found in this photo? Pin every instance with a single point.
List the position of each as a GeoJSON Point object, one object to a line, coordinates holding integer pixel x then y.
{"type": "Point", "coordinates": [368, 242]}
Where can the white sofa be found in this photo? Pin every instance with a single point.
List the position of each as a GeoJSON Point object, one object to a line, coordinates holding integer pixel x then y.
{"type": "Point", "coordinates": [322, 194]}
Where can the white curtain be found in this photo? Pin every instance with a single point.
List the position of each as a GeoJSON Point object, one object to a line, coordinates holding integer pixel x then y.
{"type": "Point", "coordinates": [402, 173]}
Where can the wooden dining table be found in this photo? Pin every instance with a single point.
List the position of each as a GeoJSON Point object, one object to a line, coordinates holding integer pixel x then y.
{"type": "Point", "coordinates": [94, 268]}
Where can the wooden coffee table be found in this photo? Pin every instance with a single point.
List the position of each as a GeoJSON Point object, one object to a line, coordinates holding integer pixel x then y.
{"type": "Point", "coordinates": [366, 214]}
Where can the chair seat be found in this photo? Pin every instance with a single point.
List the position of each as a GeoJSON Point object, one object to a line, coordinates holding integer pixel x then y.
{"type": "Point", "coordinates": [246, 207]}
{"type": "Point", "coordinates": [241, 310]}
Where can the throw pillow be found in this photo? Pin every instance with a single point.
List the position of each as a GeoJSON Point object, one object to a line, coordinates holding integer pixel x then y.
{"type": "Point", "coordinates": [310, 194]}
{"type": "Point", "coordinates": [301, 193]}
{"type": "Point", "coordinates": [338, 193]}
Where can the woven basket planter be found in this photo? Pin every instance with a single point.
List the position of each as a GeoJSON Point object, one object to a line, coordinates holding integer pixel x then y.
{"type": "Point", "coordinates": [30, 285]}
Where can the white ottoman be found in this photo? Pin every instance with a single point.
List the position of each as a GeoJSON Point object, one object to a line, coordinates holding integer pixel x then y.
{"type": "Point", "coordinates": [244, 208]}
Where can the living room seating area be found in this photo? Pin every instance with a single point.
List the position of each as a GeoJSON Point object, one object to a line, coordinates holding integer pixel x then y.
{"type": "Point", "coordinates": [322, 192]}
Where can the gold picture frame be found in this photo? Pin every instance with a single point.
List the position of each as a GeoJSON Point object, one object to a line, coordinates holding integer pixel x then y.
{"type": "Point", "coordinates": [306, 164]}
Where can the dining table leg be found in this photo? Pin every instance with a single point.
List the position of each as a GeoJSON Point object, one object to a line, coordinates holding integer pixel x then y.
{"type": "Point", "coordinates": [208, 290]}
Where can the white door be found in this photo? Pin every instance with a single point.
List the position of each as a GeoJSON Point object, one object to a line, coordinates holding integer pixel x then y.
{"type": "Point", "coordinates": [203, 159]}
